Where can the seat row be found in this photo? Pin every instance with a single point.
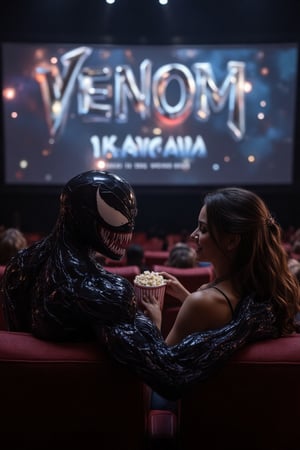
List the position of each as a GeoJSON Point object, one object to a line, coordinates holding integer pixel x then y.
{"type": "Point", "coordinates": [151, 257]}
{"type": "Point", "coordinates": [73, 396]}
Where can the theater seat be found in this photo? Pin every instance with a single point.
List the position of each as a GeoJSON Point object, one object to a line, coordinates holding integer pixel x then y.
{"type": "Point", "coordinates": [2, 270]}
{"type": "Point", "coordinates": [66, 395]}
{"type": "Point", "coordinates": [192, 278]}
{"type": "Point", "coordinates": [251, 404]}
{"type": "Point", "coordinates": [3, 323]}
{"type": "Point", "coordinates": [153, 257]}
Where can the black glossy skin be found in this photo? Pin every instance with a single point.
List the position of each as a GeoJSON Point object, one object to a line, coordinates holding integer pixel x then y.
{"type": "Point", "coordinates": [56, 290]}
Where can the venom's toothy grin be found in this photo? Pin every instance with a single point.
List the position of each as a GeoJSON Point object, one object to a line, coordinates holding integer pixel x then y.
{"type": "Point", "coordinates": [116, 242]}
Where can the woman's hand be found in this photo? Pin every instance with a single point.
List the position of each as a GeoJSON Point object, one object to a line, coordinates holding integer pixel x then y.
{"type": "Point", "coordinates": [152, 309]}
{"type": "Point", "coordinates": [174, 287]}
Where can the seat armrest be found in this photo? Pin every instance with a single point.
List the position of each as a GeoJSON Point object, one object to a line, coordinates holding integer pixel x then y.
{"type": "Point", "coordinates": [162, 424]}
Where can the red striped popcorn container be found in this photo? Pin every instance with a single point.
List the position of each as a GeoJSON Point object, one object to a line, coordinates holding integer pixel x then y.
{"type": "Point", "coordinates": [156, 291]}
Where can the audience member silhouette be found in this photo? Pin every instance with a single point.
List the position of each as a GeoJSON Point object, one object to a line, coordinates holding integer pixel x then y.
{"type": "Point", "coordinates": [182, 255]}
{"type": "Point", "coordinates": [135, 256]}
{"type": "Point", "coordinates": [11, 241]}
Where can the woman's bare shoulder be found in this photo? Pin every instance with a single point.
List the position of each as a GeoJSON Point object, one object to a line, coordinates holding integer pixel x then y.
{"type": "Point", "coordinates": [202, 298]}
{"type": "Point", "coordinates": [208, 303]}
{"type": "Point", "coordinates": [202, 310]}
{"type": "Point", "coordinates": [201, 301]}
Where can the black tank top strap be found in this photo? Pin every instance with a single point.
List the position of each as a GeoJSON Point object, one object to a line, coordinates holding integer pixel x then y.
{"type": "Point", "coordinates": [227, 299]}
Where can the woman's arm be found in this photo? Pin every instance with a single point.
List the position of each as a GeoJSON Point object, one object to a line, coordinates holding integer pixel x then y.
{"type": "Point", "coordinates": [174, 287]}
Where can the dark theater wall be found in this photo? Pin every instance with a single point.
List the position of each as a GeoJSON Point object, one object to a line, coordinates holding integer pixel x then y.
{"type": "Point", "coordinates": [141, 22]}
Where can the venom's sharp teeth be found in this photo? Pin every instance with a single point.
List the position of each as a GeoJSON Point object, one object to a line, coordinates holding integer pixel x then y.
{"type": "Point", "coordinates": [115, 241]}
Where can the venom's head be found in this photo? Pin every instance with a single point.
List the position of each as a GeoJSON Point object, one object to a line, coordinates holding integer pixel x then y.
{"type": "Point", "coordinates": [98, 210]}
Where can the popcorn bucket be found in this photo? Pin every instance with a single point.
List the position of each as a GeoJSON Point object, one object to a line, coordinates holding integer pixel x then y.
{"type": "Point", "coordinates": [156, 291]}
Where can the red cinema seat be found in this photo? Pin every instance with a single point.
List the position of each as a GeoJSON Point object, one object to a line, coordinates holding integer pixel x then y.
{"type": "Point", "coordinates": [192, 278]}
{"type": "Point", "coordinates": [67, 395]}
{"type": "Point", "coordinates": [2, 270]}
{"type": "Point", "coordinates": [153, 257]}
{"type": "Point", "coordinates": [251, 404]}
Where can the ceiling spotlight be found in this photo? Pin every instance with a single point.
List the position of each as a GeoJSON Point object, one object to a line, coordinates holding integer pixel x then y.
{"type": "Point", "coordinates": [110, 2]}
{"type": "Point", "coordinates": [163, 2]}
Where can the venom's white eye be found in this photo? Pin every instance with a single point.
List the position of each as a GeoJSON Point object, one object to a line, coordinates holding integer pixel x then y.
{"type": "Point", "coordinates": [109, 214]}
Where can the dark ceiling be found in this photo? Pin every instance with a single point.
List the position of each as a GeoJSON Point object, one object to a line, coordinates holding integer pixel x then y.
{"type": "Point", "coordinates": [134, 21]}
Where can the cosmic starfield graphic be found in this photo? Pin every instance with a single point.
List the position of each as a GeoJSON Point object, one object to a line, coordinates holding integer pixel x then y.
{"type": "Point", "coordinates": [156, 115]}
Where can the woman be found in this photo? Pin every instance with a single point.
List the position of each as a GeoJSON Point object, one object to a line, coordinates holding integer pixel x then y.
{"type": "Point", "coordinates": [239, 236]}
